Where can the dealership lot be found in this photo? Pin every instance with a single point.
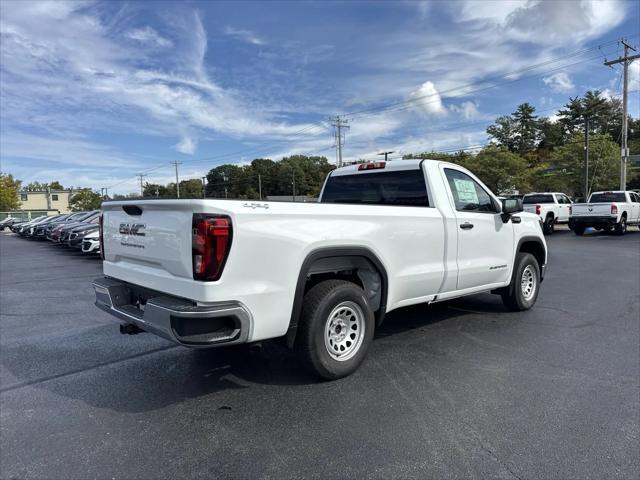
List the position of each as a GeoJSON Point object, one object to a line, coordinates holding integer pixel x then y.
{"type": "Point", "coordinates": [453, 390]}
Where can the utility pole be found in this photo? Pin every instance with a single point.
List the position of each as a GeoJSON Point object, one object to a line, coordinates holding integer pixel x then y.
{"type": "Point", "coordinates": [260, 186]}
{"type": "Point", "coordinates": [339, 124]}
{"type": "Point", "coordinates": [224, 179]}
{"type": "Point", "coordinates": [624, 157]}
{"type": "Point", "coordinates": [176, 163]}
{"type": "Point", "coordinates": [586, 159]}
{"type": "Point", "coordinates": [386, 155]}
{"type": "Point", "coordinates": [204, 187]}
{"type": "Point", "coordinates": [293, 183]}
{"type": "Point", "coordinates": [141, 176]}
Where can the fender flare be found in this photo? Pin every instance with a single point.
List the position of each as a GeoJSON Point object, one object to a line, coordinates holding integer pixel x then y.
{"type": "Point", "coordinates": [531, 238]}
{"type": "Point", "coordinates": [329, 252]}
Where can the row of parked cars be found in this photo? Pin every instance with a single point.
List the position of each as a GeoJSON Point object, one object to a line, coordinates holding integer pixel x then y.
{"type": "Point", "coordinates": [74, 230]}
{"type": "Point", "coordinates": [610, 211]}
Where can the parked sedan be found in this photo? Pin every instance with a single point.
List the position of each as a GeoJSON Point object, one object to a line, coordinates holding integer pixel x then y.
{"type": "Point", "coordinates": [91, 243]}
{"type": "Point", "coordinates": [23, 229]}
{"type": "Point", "coordinates": [41, 229]}
{"type": "Point", "coordinates": [77, 234]}
{"type": "Point", "coordinates": [65, 232]}
{"type": "Point", "coordinates": [73, 221]}
{"type": "Point", "coordinates": [7, 222]}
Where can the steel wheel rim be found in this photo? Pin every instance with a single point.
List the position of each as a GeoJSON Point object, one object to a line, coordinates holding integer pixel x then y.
{"type": "Point", "coordinates": [528, 283]}
{"type": "Point", "coordinates": [344, 331]}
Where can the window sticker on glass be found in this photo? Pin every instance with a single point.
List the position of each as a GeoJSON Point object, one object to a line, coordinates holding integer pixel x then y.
{"type": "Point", "coordinates": [466, 191]}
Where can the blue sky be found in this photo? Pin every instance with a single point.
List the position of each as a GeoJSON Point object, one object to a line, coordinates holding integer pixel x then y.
{"type": "Point", "coordinates": [92, 93]}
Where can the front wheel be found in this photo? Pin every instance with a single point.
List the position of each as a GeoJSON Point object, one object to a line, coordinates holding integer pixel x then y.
{"type": "Point", "coordinates": [522, 293]}
{"type": "Point", "coordinates": [335, 330]}
{"type": "Point", "coordinates": [549, 225]}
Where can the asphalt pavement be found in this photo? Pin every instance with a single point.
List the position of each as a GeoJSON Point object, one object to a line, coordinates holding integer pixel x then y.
{"type": "Point", "coordinates": [463, 389]}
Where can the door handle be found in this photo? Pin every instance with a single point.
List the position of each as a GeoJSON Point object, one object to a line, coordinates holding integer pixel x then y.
{"type": "Point", "coordinates": [466, 226]}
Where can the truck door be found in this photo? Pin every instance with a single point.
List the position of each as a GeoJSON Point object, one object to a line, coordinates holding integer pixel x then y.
{"type": "Point", "coordinates": [485, 242]}
{"type": "Point", "coordinates": [563, 207]}
{"type": "Point", "coordinates": [635, 207]}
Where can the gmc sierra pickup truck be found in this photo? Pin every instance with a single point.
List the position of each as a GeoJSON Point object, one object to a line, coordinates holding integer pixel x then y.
{"type": "Point", "coordinates": [606, 211]}
{"type": "Point", "coordinates": [382, 236]}
{"type": "Point", "coordinates": [551, 207]}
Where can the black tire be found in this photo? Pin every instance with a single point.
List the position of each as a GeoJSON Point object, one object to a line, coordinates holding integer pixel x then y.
{"type": "Point", "coordinates": [607, 228]}
{"type": "Point", "coordinates": [321, 306]}
{"type": "Point", "coordinates": [621, 226]}
{"type": "Point", "coordinates": [578, 229]}
{"type": "Point", "coordinates": [513, 296]}
{"type": "Point", "coordinates": [549, 225]}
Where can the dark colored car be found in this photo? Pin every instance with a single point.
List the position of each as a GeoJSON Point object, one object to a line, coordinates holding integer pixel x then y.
{"type": "Point", "coordinates": [65, 231]}
{"type": "Point", "coordinates": [40, 230]}
{"type": "Point", "coordinates": [77, 235]}
{"type": "Point", "coordinates": [7, 222]}
{"type": "Point", "coordinates": [52, 231]}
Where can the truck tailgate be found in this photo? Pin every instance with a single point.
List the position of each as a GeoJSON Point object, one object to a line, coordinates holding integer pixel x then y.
{"type": "Point", "coordinates": [591, 209]}
{"type": "Point", "coordinates": [150, 236]}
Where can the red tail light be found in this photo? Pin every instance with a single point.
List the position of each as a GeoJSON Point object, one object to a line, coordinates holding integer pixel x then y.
{"type": "Point", "coordinates": [371, 165]}
{"type": "Point", "coordinates": [538, 209]}
{"type": "Point", "coordinates": [614, 209]}
{"type": "Point", "coordinates": [101, 234]}
{"type": "Point", "coordinates": [211, 242]}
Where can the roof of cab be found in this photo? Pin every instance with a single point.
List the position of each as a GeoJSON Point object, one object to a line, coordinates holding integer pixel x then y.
{"type": "Point", "coordinates": [393, 165]}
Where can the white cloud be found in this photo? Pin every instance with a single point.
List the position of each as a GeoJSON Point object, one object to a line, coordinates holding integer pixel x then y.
{"type": "Point", "coordinates": [550, 22]}
{"type": "Point", "coordinates": [559, 82]}
{"type": "Point", "coordinates": [187, 146]}
{"type": "Point", "coordinates": [468, 110]}
{"type": "Point", "coordinates": [149, 36]}
{"type": "Point", "coordinates": [428, 99]}
{"type": "Point", "coordinates": [246, 36]}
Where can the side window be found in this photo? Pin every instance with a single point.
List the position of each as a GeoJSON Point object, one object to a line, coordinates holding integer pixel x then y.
{"type": "Point", "coordinates": [468, 195]}
{"type": "Point", "coordinates": [567, 200]}
{"type": "Point", "coordinates": [24, 197]}
{"type": "Point", "coordinates": [54, 197]}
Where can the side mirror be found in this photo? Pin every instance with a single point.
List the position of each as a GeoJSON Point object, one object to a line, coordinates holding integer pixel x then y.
{"type": "Point", "coordinates": [509, 207]}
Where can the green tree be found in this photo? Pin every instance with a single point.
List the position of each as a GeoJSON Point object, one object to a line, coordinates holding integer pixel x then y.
{"type": "Point", "coordinates": [9, 190]}
{"type": "Point", "coordinates": [501, 170]}
{"type": "Point", "coordinates": [56, 185]}
{"type": "Point", "coordinates": [604, 164]}
{"type": "Point", "coordinates": [36, 187]}
{"type": "Point", "coordinates": [85, 200]}
{"type": "Point", "coordinates": [518, 132]}
{"type": "Point", "coordinates": [155, 190]}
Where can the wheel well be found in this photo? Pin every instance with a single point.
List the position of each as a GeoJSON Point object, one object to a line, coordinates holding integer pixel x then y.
{"type": "Point", "coordinates": [355, 265]}
{"type": "Point", "coordinates": [550, 214]}
{"type": "Point", "coordinates": [535, 249]}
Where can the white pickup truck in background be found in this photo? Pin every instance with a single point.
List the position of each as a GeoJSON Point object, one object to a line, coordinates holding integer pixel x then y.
{"type": "Point", "coordinates": [551, 207]}
{"type": "Point", "coordinates": [383, 236]}
{"type": "Point", "coordinates": [606, 211]}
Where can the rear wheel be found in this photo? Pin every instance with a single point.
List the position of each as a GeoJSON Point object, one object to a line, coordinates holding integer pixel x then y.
{"type": "Point", "coordinates": [621, 226]}
{"type": "Point", "coordinates": [335, 330]}
{"type": "Point", "coordinates": [578, 229]}
{"type": "Point", "coordinates": [549, 225]}
{"type": "Point", "coordinates": [522, 293]}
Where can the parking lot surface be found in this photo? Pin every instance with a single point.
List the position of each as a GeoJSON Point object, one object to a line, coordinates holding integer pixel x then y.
{"type": "Point", "coordinates": [460, 389]}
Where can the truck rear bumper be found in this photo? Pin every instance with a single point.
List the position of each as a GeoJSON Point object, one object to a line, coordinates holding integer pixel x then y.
{"type": "Point", "coordinates": [173, 318]}
{"type": "Point", "coordinates": [600, 221]}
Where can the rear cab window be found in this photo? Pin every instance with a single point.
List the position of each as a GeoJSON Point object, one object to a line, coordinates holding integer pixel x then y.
{"type": "Point", "coordinates": [607, 197]}
{"type": "Point", "coordinates": [537, 198]}
{"type": "Point", "coordinates": [396, 187]}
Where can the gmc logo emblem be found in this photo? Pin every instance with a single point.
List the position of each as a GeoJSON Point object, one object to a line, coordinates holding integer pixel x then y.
{"type": "Point", "coordinates": [136, 229]}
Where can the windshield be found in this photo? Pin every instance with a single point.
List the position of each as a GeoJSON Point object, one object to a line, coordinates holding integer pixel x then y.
{"type": "Point", "coordinates": [537, 198]}
{"type": "Point", "coordinates": [607, 197]}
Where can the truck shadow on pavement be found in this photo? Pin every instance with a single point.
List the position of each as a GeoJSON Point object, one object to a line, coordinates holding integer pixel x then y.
{"type": "Point", "coordinates": [158, 374]}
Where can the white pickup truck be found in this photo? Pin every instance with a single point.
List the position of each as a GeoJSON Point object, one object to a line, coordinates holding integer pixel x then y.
{"type": "Point", "coordinates": [551, 207]}
{"type": "Point", "coordinates": [383, 236]}
{"type": "Point", "coordinates": [606, 211]}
